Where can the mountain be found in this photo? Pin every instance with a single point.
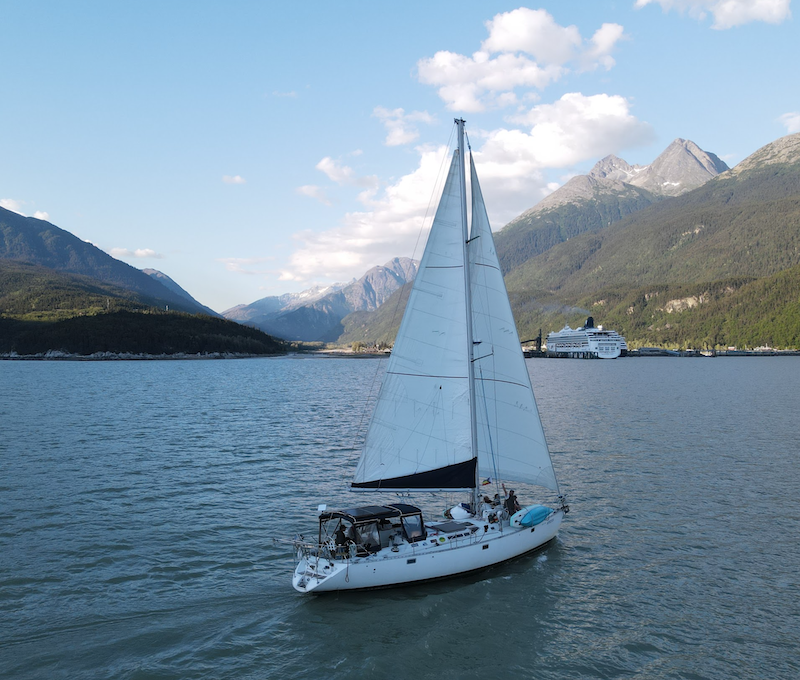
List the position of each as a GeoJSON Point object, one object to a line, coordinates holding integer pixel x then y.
{"type": "Point", "coordinates": [320, 319]}
{"type": "Point", "coordinates": [32, 292]}
{"type": "Point", "coordinates": [611, 191]}
{"type": "Point", "coordinates": [378, 327]}
{"type": "Point", "coordinates": [27, 239]}
{"type": "Point", "coordinates": [43, 309]}
{"type": "Point", "coordinates": [681, 167]}
{"type": "Point", "coordinates": [267, 308]}
{"type": "Point", "coordinates": [741, 228]}
{"type": "Point", "coordinates": [742, 223]}
{"type": "Point", "coordinates": [714, 266]}
{"type": "Point", "coordinates": [166, 281]}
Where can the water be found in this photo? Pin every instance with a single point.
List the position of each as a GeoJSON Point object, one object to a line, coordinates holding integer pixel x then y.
{"type": "Point", "coordinates": [138, 501]}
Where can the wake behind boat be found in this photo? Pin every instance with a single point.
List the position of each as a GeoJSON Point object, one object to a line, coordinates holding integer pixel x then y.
{"type": "Point", "coordinates": [455, 407]}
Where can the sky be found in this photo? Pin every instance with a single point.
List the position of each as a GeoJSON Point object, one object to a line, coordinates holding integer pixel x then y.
{"type": "Point", "coordinates": [250, 149]}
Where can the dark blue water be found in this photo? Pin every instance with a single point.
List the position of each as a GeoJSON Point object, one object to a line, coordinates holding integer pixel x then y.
{"type": "Point", "coordinates": [138, 501]}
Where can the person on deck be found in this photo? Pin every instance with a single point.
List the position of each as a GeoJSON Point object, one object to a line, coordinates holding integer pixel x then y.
{"type": "Point", "coordinates": [340, 538]}
{"type": "Point", "coordinates": [512, 505]}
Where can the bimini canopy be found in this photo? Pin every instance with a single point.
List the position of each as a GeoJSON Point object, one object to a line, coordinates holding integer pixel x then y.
{"type": "Point", "coordinates": [371, 513]}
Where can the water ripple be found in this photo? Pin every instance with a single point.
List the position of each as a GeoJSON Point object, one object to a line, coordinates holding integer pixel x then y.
{"type": "Point", "coordinates": [138, 501]}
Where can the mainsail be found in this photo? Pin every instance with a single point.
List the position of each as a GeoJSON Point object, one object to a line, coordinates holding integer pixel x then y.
{"type": "Point", "coordinates": [420, 436]}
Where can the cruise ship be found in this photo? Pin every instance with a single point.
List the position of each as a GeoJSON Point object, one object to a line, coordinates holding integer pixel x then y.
{"type": "Point", "coordinates": [586, 342]}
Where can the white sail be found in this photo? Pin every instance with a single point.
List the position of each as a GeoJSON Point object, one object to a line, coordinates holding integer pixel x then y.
{"type": "Point", "coordinates": [511, 442]}
{"type": "Point", "coordinates": [419, 436]}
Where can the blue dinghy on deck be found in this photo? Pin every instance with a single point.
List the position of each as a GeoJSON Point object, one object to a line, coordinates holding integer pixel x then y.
{"type": "Point", "coordinates": [530, 516]}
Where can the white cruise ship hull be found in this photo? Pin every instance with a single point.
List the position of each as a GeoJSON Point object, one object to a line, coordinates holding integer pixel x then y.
{"type": "Point", "coordinates": [586, 352]}
{"type": "Point", "coordinates": [441, 555]}
{"type": "Point", "coordinates": [586, 343]}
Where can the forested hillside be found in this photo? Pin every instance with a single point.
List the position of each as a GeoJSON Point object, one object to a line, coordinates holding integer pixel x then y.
{"type": "Point", "coordinates": [155, 332]}
{"type": "Point", "coordinates": [732, 226]}
{"type": "Point", "coordinates": [27, 239]}
{"type": "Point", "coordinates": [42, 309]}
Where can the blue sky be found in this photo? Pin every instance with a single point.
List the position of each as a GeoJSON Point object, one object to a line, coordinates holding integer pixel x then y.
{"type": "Point", "coordinates": [249, 149]}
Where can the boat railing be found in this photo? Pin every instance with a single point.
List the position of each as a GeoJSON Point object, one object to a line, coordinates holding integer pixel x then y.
{"type": "Point", "coordinates": [328, 550]}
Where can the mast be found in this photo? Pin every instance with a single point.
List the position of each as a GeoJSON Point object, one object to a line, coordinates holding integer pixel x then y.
{"type": "Point", "coordinates": [473, 420]}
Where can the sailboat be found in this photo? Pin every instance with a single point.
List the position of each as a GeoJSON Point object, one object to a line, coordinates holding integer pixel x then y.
{"type": "Point", "coordinates": [455, 413]}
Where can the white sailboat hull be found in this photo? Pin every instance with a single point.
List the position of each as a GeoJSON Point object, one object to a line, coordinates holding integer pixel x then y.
{"type": "Point", "coordinates": [441, 555]}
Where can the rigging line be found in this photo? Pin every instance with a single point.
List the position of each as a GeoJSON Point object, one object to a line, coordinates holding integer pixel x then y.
{"type": "Point", "coordinates": [379, 364]}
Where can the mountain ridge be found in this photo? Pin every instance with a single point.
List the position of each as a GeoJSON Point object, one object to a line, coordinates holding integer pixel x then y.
{"type": "Point", "coordinates": [612, 190]}
{"type": "Point", "coordinates": [166, 281]}
{"type": "Point", "coordinates": [691, 261]}
{"type": "Point", "coordinates": [320, 320]}
{"type": "Point", "coordinates": [28, 239]}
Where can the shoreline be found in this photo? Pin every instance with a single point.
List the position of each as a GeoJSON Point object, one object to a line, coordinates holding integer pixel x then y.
{"type": "Point", "coordinates": [58, 355]}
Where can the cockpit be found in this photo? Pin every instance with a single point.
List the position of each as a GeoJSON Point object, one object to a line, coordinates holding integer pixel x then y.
{"type": "Point", "coordinates": [366, 530]}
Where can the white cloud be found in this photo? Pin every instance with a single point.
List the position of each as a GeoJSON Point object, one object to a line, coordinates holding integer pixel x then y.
{"type": "Point", "coordinates": [16, 206]}
{"type": "Point", "coordinates": [233, 179]}
{"type": "Point", "coordinates": [315, 192]}
{"type": "Point", "coordinates": [291, 94]}
{"type": "Point", "coordinates": [598, 52]}
{"type": "Point", "coordinates": [389, 227]}
{"type": "Point", "coordinates": [791, 121]}
{"type": "Point", "coordinates": [525, 49]}
{"type": "Point", "coordinates": [576, 128]}
{"type": "Point", "coordinates": [336, 172]}
{"type": "Point", "coordinates": [12, 205]}
{"type": "Point", "coordinates": [128, 254]}
{"type": "Point", "coordinates": [345, 175]}
{"type": "Point", "coordinates": [728, 13]}
{"type": "Point", "coordinates": [401, 126]}
{"type": "Point", "coordinates": [533, 31]}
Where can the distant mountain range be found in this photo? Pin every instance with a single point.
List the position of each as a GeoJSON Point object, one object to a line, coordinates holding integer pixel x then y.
{"type": "Point", "coordinates": [713, 260]}
{"type": "Point", "coordinates": [316, 314]}
{"type": "Point", "coordinates": [611, 191]}
{"type": "Point", "coordinates": [682, 252]}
